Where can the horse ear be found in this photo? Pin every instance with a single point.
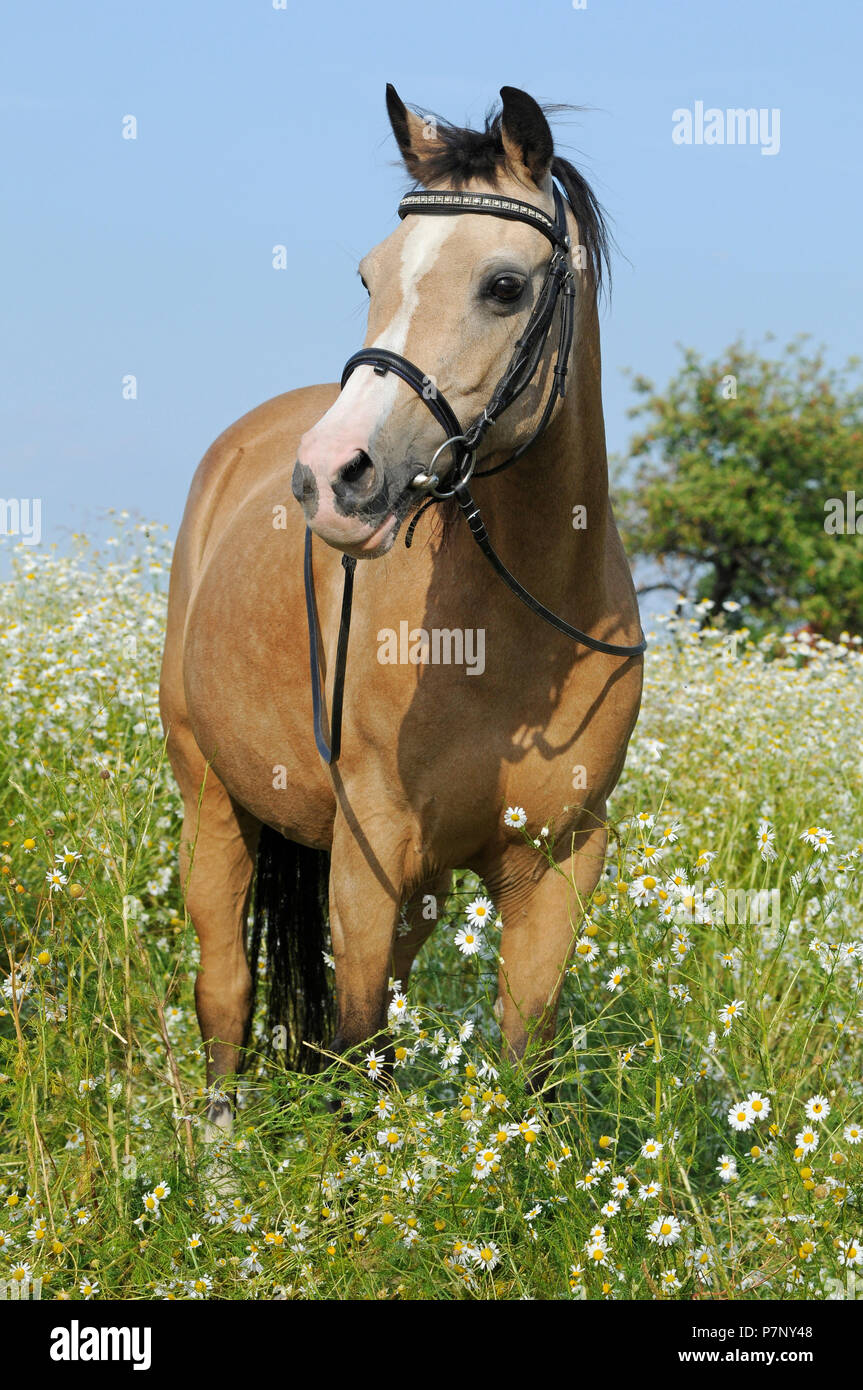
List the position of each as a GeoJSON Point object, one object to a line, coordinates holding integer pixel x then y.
{"type": "Point", "coordinates": [527, 139]}
{"type": "Point", "coordinates": [412, 134]}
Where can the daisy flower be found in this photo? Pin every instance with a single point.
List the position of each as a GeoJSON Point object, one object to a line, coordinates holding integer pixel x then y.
{"type": "Point", "coordinates": [851, 1251]}
{"type": "Point", "coordinates": [486, 1255]}
{"type": "Point", "coordinates": [479, 912]}
{"type": "Point", "coordinates": [665, 1230]}
{"type": "Point", "coordinates": [729, 1012]}
{"type": "Point", "coordinates": [589, 1180]}
{"type": "Point", "coordinates": [758, 1104]}
{"type": "Point", "coordinates": [701, 1261]}
{"type": "Point", "coordinates": [586, 950]}
{"type": "Point", "coordinates": [642, 889]}
{"type": "Point", "coordinates": [650, 854]}
{"type": "Point", "coordinates": [726, 1167]}
{"type": "Point", "coordinates": [596, 1247]}
{"type": "Point", "coordinates": [244, 1221]}
{"type": "Point", "coordinates": [487, 1161]}
{"type": "Point", "coordinates": [852, 1134]}
{"type": "Point", "coordinates": [651, 1148]}
{"type": "Point", "coordinates": [818, 1108]}
{"type": "Point", "coordinates": [529, 1130]}
{"type": "Point", "coordinates": [764, 838]}
{"type": "Point", "coordinates": [648, 1191]}
{"type": "Point", "coordinates": [515, 817]}
{"type": "Point", "coordinates": [741, 1116]}
{"type": "Point", "coordinates": [807, 1141]}
{"type": "Point", "coordinates": [374, 1064]}
{"type": "Point", "coordinates": [819, 838]}
{"type": "Point", "coordinates": [397, 1007]}
{"type": "Point", "coordinates": [468, 941]}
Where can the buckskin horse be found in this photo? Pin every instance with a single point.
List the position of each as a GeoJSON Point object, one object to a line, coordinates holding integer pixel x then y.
{"type": "Point", "coordinates": [490, 283]}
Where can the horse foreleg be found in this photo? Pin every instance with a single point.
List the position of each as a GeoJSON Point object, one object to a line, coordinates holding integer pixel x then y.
{"type": "Point", "coordinates": [417, 923]}
{"type": "Point", "coordinates": [542, 916]}
{"type": "Point", "coordinates": [364, 914]}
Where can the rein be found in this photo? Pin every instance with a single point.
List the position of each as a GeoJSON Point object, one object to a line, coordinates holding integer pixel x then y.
{"type": "Point", "coordinates": [559, 285]}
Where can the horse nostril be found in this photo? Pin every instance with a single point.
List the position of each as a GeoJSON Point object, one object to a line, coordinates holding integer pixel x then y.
{"type": "Point", "coordinates": [356, 479]}
{"type": "Point", "coordinates": [304, 487]}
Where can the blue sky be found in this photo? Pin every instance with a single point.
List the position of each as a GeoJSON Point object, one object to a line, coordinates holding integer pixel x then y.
{"type": "Point", "coordinates": [259, 126]}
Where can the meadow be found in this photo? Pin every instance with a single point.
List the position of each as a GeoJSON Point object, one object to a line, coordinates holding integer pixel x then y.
{"type": "Point", "coordinates": [704, 1135]}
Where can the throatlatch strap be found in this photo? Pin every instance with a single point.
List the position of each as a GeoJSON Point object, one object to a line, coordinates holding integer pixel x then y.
{"type": "Point", "coordinates": [329, 752]}
{"type": "Point", "coordinates": [480, 534]}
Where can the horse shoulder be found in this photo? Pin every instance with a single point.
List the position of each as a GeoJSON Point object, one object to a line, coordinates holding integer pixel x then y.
{"type": "Point", "coordinates": [245, 454]}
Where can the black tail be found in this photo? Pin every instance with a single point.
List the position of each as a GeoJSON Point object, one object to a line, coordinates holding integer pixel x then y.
{"type": "Point", "coordinates": [290, 907]}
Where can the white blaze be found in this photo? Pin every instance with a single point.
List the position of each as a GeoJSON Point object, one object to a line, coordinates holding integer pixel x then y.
{"type": "Point", "coordinates": [368, 399]}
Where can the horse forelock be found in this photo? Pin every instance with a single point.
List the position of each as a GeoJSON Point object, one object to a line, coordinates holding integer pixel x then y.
{"type": "Point", "coordinates": [459, 156]}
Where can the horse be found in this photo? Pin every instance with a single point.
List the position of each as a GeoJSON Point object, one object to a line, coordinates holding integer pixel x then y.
{"type": "Point", "coordinates": [424, 754]}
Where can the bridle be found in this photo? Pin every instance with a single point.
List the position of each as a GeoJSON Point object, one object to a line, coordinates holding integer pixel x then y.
{"type": "Point", "coordinates": [558, 285]}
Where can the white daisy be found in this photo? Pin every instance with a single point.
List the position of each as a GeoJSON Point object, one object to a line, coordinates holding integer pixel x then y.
{"type": "Point", "coordinates": [468, 941]}
{"type": "Point", "coordinates": [817, 1108]}
{"type": "Point", "coordinates": [479, 912]}
{"type": "Point", "coordinates": [665, 1230]}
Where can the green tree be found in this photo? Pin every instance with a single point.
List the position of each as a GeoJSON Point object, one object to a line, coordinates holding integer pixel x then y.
{"type": "Point", "coordinates": [733, 472]}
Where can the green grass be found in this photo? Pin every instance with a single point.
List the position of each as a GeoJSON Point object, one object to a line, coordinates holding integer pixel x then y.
{"type": "Point", "coordinates": [101, 1071]}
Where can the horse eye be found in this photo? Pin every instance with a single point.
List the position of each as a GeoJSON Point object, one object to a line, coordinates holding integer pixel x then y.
{"type": "Point", "coordinates": [506, 288]}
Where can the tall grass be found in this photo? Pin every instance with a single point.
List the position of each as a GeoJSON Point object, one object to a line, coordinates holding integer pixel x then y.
{"type": "Point", "coordinates": [455, 1181]}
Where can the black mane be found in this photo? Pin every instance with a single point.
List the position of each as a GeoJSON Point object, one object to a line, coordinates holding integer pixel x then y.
{"type": "Point", "coordinates": [460, 155]}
